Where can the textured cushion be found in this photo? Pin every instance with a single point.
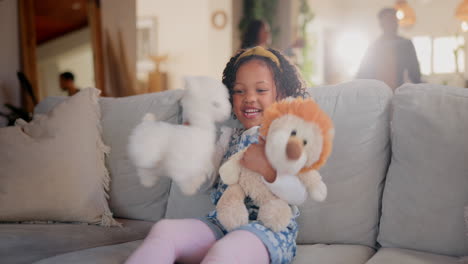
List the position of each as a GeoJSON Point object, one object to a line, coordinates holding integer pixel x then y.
{"type": "Point", "coordinates": [128, 198]}
{"type": "Point", "coordinates": [333, 254]}
{"type": "Point", "coordinates": [426, 187]}
{"type": "Point", "coordinates": [53, 167]}
{"type": "Point", "coordinates": [25, 243]}
{"type": "Point", "coordinates": [395, 255]}
{"type": "Point", "coordinates": [356, 168]}
{"type": "Point", "coordinates": [319, 253]}
{"type": "Point", "coordinates": [114, 254]}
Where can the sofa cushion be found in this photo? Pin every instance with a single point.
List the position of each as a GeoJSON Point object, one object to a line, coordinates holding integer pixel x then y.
{"type": "Point", "coordinates": [26, 243]}
{"type": "Point", "coordinates": [53, 167]}
{"type": "Point", "coordinates": [128, 198]}
{"type": "Point", "coordinates": [180, 205]}
{"type": "Point", "coordinates": [426, 187]}
{"type": "Point", "coordinates": [356, 168]}
{"type": "Point", "coordinates": [118, 253]}
{"type": "Point", "coordinates": [333, 254]}
{"type": "Point", "coordinates": [113, 254]}
{"type": "Point", "coordinates": [396, 255]}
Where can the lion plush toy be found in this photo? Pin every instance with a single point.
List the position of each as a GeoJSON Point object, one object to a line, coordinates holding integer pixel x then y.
{"type": "Point", "coordinates": [298, 140]}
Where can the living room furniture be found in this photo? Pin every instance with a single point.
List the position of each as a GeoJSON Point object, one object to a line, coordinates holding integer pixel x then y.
{"type": "Point", "coordinates": [397, 181]}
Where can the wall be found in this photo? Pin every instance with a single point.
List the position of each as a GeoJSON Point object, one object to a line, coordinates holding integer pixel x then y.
{"type": "Point", "coordinates": [186, 35]}
{"type": "Point", "coordinates": [72, 52]}
{"type": "Point", "coordinates": [9, 54]}
{"type": "Point", "coordinates": [237, 8]}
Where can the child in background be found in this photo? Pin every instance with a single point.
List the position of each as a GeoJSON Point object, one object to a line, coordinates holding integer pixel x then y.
{"type": "Point", "coordinates": [256, 78]}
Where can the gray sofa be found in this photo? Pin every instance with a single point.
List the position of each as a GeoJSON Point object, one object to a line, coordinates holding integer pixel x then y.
{"type": "Point", "coordinates": [397, 180]}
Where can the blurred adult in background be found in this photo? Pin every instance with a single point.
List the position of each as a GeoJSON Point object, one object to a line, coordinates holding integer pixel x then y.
{"type": "Point", "coordinates": [391, 58]}
{"type": "Point", "coordinates": [67, 83]}
{"type": "Point", "coordinates": [257, 34]}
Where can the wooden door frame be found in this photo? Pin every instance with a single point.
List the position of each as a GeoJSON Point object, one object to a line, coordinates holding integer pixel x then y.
{"type": "Point", "coordinates": [94, 19]}
{"type": "Point", "coordinates": [28, 50]}
{"type": "Point", "coordinates": [28, 47]}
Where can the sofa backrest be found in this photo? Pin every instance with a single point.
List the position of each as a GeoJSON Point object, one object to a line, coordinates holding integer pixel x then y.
{"type": "Point", "coordinates": [356, 168]}
{"type": "Point", "coordinates": [427, 183]}
{"type": "Point", "coordinates": [128, 198]}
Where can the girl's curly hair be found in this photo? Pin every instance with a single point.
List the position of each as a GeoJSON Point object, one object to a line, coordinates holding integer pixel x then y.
{"type": "Point", "coordinates": [288, 81]}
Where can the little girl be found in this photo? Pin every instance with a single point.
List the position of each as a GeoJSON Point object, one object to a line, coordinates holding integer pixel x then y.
{"type": "Point", "coordinates": [256, 78]}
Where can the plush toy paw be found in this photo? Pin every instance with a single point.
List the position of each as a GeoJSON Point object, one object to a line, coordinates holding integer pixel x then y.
{"type": "Point", "coordinates": [319, 192]}
{"type": "Point", "coordinates": [275, 214]}
{"type": "Point", "coordinates": [231, 169]}
{"type": "Point", "coordinates": [147, 177]}
{"type": "Point", "coordinates": [233, 216]}
{"type": "Point", "coordinates": [190, 186]}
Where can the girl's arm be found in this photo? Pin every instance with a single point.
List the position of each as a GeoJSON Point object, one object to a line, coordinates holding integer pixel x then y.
{"type": "Point", "coordinates": [255, 160]}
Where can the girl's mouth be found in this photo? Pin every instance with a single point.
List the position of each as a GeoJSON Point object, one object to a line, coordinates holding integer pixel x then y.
{"type": "Point", "coordinates": [251, 113]}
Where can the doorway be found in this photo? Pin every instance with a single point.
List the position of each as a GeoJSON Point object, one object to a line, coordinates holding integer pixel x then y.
{"type": "Point", "coordinates": [60, 36]}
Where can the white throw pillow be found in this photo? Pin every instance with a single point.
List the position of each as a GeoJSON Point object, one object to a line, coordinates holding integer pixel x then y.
{"type": "Point", "coordinates": [52, 169]}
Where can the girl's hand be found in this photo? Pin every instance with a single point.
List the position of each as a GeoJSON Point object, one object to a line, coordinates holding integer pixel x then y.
{"type": "Point", "coordinates": [254, 159]}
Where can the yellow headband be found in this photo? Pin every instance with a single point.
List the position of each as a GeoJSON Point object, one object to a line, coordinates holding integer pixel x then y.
{"type": "Point", "coordinates": [260, 51]}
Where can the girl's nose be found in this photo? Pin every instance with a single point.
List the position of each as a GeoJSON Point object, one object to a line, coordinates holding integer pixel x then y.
{"type": "Point", "coordinates": [250, 97]}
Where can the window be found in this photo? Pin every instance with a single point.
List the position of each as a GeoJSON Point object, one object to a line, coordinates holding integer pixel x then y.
{"type": "Point", "coordinates": [423, 51]}
{"type": "Point", "coordinates": [440, 55]}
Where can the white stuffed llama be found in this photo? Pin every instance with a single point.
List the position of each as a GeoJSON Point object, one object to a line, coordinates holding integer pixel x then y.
{"type": "Point", "coordinates": [182, 152]}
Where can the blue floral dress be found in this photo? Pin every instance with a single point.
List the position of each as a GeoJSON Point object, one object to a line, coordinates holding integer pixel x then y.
{"type": "Point", "coordinates": [281, 245]}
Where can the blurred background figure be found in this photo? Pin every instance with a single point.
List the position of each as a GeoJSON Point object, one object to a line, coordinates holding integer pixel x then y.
{"type": "Point", "coordinates": [67, 83]}
{"type": "Point", "coordinates": [391, 58]}
{"type": "Point", "coordinates": [257, 34]}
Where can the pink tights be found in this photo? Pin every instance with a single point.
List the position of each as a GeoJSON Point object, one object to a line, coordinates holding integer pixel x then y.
{"type": "Point", "coordinates": [192, 241]}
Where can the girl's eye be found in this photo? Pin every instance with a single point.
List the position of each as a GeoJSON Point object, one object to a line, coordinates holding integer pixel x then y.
{"type": "Point", "coordinates": [237, 91]}
{"type": "Point", "coordinates": [262, 90]}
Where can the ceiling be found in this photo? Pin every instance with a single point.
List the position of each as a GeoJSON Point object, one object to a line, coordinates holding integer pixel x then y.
{"type": "Point", "coordinates": [55, 18]}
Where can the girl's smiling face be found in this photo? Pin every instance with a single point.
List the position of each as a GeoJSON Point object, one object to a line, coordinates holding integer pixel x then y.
{"type": "Point", "coordinates": [254, 90]}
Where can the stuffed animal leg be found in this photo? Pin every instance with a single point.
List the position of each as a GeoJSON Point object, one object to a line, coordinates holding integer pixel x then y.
{"type": "Point", "coordinates": [142, 151]}
{"type": "Point", "coordinates": [231, 209]}
{"type": "Point", "coordinates": [275, 214]}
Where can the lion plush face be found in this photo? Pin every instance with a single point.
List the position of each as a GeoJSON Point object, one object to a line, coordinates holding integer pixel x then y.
{"type": "Point", "coordinates": [298, 135]}
{"type": "Point", "coordinates": [293, 144]}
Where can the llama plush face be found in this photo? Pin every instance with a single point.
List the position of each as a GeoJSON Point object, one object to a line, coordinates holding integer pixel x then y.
{"type": "Point", "coordinates": [206, 100]}
{"type": "Point", "coordinates": [298, 136]}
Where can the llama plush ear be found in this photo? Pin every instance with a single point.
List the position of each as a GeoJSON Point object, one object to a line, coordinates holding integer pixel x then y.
{"type": "Point", "coordinates": [231, 169]}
